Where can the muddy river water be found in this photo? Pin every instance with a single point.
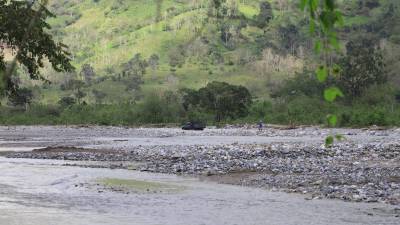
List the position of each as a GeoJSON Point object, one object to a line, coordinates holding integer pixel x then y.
{"type": "Point", "coordinates": [46, 192]}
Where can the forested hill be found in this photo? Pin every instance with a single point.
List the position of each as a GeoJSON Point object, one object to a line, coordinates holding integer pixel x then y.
{"type": "Point", "coordinates": [173, 44]}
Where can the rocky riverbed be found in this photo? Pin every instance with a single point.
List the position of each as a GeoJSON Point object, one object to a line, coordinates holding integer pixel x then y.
{"type": "Point", "coordinates": [365, 167]}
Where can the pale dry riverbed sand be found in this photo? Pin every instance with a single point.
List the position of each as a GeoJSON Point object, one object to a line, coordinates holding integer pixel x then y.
{"type": "Point", "coordinates": [34, 191]}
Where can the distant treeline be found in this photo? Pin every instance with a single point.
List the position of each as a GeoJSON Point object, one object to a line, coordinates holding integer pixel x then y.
{"type": "Point", "coordinates": [379, 105]}
{"type": "Point", "coordinates": [158, 110]}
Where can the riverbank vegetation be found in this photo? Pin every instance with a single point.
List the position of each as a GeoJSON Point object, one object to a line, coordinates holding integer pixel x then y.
{"type": "Point", "coordinates": [294, 104]}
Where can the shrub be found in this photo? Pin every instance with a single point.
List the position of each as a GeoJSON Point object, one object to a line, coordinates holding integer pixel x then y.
{"type": "Point", "coordinates": [304, 83]}
{"type": "Point", "coordinates": [66, 102]}
{"type": "Point", "coordinates": [164, 108]}
{"type": "Point", "coordinates": [260, 110]}
{"type": "Point", "coordinates": [223, 100]}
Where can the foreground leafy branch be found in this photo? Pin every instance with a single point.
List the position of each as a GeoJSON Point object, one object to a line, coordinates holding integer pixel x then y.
{"type": "Point", "coordinates": [324, 18]}
{"type": "Point", "coordinates": [23, 32]}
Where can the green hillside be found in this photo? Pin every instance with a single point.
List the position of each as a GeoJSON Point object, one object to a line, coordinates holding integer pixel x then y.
{"type": "Point", "coordinates": [155, 62]}
{"type": "Point", "coordinates": [191, 45]}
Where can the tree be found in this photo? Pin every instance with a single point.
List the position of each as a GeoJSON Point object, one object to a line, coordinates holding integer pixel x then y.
{"type": "Point", "coordinates": [77, 86]}
{"type": "Point", "coordinates": [24, 30]}
{"type": "Point", "coordinates": [98, 96]}
{"type": "Point", "coordinates": [362, 67]}
{"type": "Point", "coordinates": [215, 8]}
{"type": "Point", "coordinates": [152, 109]}
{"type": "Point", "coordinates": [88, 73]}
{"type": "Point", "coordinates": [221, 99]}
{"type": "Point", "coordinates": [304, 83]}
{"type": "Point", "coordinates": [21, 97]}
{"type": "Point", "coordinates": [176, 58]}
{"type": "Point", "coordinates": [154, 61]}
{"type": "Point", "coordinates": [228, 34]}
{"type": "Point", "coordinates": [67, 102]}
{"type": "Point", "coordinates": [135, 66]}
{"type": "Point", "coordinates": [68, 81]}
{"type": "Point", "coordinates": [265, 15]}
{"type": "Point", "coordinates": [134, 70]}
{"type": "Point", "coordinates": [79, 95]}
{"type": "Point", "coordinates": [289, 38]}
{"type": "Point", "coordinates": [190, 97]}
{"type": "Point", "coordinates": [134, 83]}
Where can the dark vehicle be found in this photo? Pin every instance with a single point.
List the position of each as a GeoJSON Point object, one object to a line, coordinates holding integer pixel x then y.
{"type": "Point", "coordinates": [193, 126]}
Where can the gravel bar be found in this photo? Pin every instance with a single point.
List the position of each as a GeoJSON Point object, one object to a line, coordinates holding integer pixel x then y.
{"type": "Point", "coordinates": [364, 168]}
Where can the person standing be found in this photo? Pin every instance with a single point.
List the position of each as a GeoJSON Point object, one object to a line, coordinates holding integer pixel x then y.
{"type": "Point", "coordinates": [260, 125]}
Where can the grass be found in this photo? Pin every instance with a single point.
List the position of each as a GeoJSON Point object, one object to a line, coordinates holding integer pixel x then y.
{"type": "Point", "coordinates": [248, 11]}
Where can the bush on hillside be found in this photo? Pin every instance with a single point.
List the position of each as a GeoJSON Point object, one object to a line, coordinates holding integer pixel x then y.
{"type": "Point", "coordinates": [65, 102]}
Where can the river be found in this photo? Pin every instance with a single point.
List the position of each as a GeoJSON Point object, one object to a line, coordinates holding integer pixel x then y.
{"type": "Point", "coordinates": [46, 192]}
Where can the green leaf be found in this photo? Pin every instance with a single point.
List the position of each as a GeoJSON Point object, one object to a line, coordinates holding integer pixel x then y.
{"type": "Point", "coordinates": [322, 73]}
{"type": "Point", "coordinates": [313, 5]}
{"type": "Point", "coordinates": [332, 120]}
{"type": "Point", "coordinates": [312, 26]}
{"type": "Point", "coordinates": [336, 69]}
{"type": "Point", "coordinates": [318, 46]}
{"type": "Point", "coordinates": [332, 93]}
{"type": "Point", "coordinates": [329, 141]}
{"type": "Point", "coordinates": [303, 4]}
{"type": "Point", "coordinates": [334, 42]}
{"type": "Point", "coordinates": [330, 4]}
{"type": "Point", "coordinates": [339, 18]}
{"type": "Point", "coordinates": [326, 20]}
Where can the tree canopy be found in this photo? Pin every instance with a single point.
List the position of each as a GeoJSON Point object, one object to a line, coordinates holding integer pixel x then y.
{"type": "Point", "coordinates": [362, 67]}
{"type": "Point", "coordinates": [88, 73]}
{"type": "Point", "coordinates": [24, 32]}
{"type": "Point", "coordinates": [221, 99]}
{"type": "Point", "coordinates": [265, 15]}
